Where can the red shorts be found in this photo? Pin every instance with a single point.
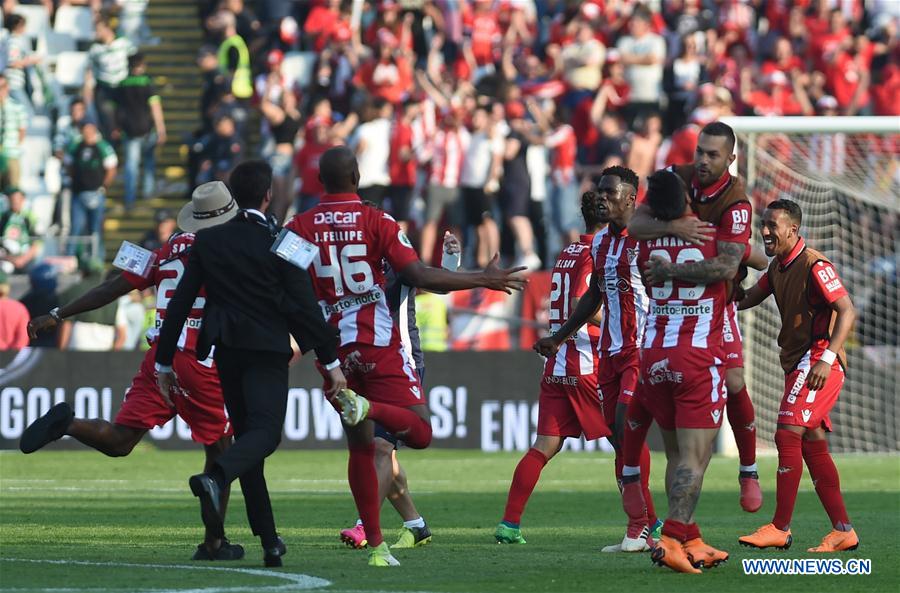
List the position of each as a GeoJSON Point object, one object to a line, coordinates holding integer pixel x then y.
{"type": "Point", "coordinates": [382, 374]}
{"type": "Point", "coordinates": [200, 404]}
{"type": "Point", "coordinates": [570, 407]}
{"type": "Point", "coordinates": [802, 407]}
{"type": "Point", "coordinates": [683, 388]}
{"type": "Point", "coordinates": [617, 381]}
{"type": "Point", "coordinates": [732, 339]}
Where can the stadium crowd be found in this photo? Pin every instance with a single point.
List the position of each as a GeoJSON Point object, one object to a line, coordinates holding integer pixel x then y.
{"type": "Point", "coordinates": [486, 117]}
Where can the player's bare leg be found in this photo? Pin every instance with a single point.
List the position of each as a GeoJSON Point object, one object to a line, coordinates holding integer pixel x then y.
{"type": "Point", "coordinates": [681, 547]}
{"type": "Point", "coordinates": [742, 419]}
{"type": "Point", "coordinates": [525, 478]}
{"type": "Point", "coordinates": [114, 440]}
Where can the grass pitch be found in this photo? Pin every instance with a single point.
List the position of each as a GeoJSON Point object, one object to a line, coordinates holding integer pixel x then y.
{"type": "Point", "coordinates": [76, 522]}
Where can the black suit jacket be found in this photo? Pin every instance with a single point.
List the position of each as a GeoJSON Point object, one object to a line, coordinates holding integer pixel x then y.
{"type": "Point", "coordinates": [254, 299]}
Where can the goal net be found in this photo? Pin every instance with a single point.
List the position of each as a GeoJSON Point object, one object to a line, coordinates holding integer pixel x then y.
{"type": "Point", "coordinates": [845, 174]}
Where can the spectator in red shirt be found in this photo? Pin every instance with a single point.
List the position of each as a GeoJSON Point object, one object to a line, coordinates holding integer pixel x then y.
{"type": "Point", "coordinates": [321, 23]}
{"type": "Point", "coordinates": [783, 59]}
{"type": "Point", "coordinates": [886, 91]}
{"type": "Point", "coordinates": [389, 76]}
{"type": "Point", "coordinates": [403, 164]}
{"type": "Point", "coordinates": [847, 76]}
{"type": "Point", "coordinates": [306, 163]}
{"type": "Point", "coordinates": [482, 27]}
{"type": "Point", "coordinates": [823, 46]}
{"type": "Point", "coordinates": [777, 98]}
{"type": "Point", "coordinates": [13, 319]}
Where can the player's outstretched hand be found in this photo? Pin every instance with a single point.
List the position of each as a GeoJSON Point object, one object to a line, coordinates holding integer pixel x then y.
{"type": "Point", "coordinates": [40, 324]}
{"type": "Point", "coordinates": [505, 279]}
{"type": "Point", "coordinates": [168, 383]}
{"type": "Point", "coordinates": [335, 381]}
{"type": "Point", "coordinates": [817, 376]}
{"type": "Point", "coordinates": [693, 230]}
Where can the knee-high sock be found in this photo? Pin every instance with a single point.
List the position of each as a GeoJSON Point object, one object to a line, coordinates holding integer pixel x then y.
{"type": "Point", "coordinates": [825, 478]}
{"type": "Point", "coordinates": [790, 470]}
{"type": "Point", "coordinates": [364, 486]}
{"type": "Point", "coordinates": [645, 484]}
{"type": "Point", "coordinates": [742, 419]}
{"type": "Point", "coordinates": [402, 422]}
{"type": "Point", "coordinates": [525, 478]}
{"type": "Point", "coordinates": [637, 423]}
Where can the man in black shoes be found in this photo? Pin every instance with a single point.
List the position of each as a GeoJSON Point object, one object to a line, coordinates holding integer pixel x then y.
{"type": "Point", "coordinates": [252, 298]}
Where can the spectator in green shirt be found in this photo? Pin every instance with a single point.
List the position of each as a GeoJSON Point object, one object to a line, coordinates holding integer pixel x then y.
{"type": "Point", "coordinates": [92, 167]}
{"type": "Point", "coordinates": [19, 243]}
{"type": "Point", "coordinates": [13, 121]}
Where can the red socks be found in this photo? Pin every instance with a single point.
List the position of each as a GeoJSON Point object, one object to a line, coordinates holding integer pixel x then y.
{"type": "Point", "coordinates": [404, 423]}
{"type": "Point", "coordinates": [525, 478]}
{"type": "Point", "coordinates": [790, 470]}
{"type": "Point", "coordinates": [741, 417]}
{"type": "Point", "coordinates": [645, 484]}
{"type": "Point", "coordinates": [364, 486]}
{"type": "Point", "coordinates": [675, 529]}
{"type": "Point", "coordinates": [826, 480]}
{"type": "Point", "coordinates": [637, 424]}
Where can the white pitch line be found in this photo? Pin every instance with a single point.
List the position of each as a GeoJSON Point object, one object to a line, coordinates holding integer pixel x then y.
{"type": "Point", "coordinates": [295, 581]}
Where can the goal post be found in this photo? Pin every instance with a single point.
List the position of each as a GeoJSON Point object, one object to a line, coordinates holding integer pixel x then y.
{"type": "Point", "coordinates": [844, 172]}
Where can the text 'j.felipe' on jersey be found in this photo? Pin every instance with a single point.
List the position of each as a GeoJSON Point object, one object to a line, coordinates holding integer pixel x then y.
{"type": "Point", "coordinates": [347, 273]}
{"type": "Point", "coordinates": [683, 314]}
{"type": "Point", "coordinates": [167, 270]}
{"type": "Point", "coordinates": [624, 299]}
{"type": "Point", "coordinates": [570, 279]}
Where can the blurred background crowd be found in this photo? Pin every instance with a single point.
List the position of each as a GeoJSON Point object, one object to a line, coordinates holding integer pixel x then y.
{"type": "Point", "coordinates": [484, 117]}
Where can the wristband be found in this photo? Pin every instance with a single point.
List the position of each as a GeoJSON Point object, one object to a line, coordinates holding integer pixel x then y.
{"type": "Point", "coordinates": [54, 313]}
{"type": "Point", "coordinates": [828, 357]}
{"type": "Point", "coordinates": [332, 365]}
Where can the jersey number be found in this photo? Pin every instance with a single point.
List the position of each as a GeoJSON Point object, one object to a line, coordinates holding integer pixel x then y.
{"type": "Point", "coordinates": [168, 285]}
{"type": "Point", "coordinates": [685, 293]}
{"type": "Point", "coordinates": [559, 287]}
{"type": "Point", "coordinates": [353, 276]}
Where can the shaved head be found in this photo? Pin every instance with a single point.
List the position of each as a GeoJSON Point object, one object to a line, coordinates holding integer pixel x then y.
{"type": "Point", "coordinates": [338, 170]}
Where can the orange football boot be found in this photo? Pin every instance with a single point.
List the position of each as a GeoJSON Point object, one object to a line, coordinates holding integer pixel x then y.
{"type": "Point", "coordinates": [702, 555]}
{"type": "Point", "coordinates": [837, 541]}
{"type": "Point", "coordinates": [768, 536]}
{"type": "Point", "coordinates": [668, 552]}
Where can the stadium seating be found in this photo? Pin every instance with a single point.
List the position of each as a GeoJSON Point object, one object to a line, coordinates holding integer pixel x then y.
{"type": "Point", "coordinates": [76, 21]}
{"type": "Point", "coordinates": [70, 68]}
{"type": "Point", "coordinates": [53, 43]}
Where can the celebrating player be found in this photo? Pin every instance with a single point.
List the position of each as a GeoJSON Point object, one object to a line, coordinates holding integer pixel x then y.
{"type": "Point", "coordinates": [682, 371]}
{"type": "Point", "coordinates": [618, 287]}
{"type": "Point", "coordinates": [200, 403]}
{"type": "Point", "coordinates": [568, 402]}
{"type": "Point", "coordinates": [722, 211]}
{"type": "Point", "coordinates": [352, 241]}
{"type": "Point", "coordinates": [816, 319]}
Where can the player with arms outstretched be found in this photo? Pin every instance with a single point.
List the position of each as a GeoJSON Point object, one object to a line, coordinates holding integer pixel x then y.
{"type": "Point", "coordinates": [816, 319]}
{"type": "Point", "coordinates": [200, 403]}
{"type": "Point", "coordinates": [618, 287]}
{"type": "Point", "coordinates": [352, 241]}
{"type": "Point", "coordinates": [682, 375]}
{"type": "Point", "coordinates": [568, 404]}
{"type": "Point", "coordinates": [721, 210]}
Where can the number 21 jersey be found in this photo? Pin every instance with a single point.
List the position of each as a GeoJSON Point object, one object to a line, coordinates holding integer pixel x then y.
{"type": "Point", "coordinates": [353, 239]}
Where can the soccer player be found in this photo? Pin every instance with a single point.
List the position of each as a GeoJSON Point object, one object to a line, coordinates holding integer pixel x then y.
{"type": "Point", "coordinates": [724, 212]}
{"type": "Point", "coordinates": [682, 370]}
{"type": "Point", "coordinates": [816, 319]}
{"type": "Point", "coordinates": [352, 241]}
{"type": "Point", "coordinates": [568, 402]}
{"type": "Point", "coordinates": [617, 285]}
{"type": "Point", "coordinates": [392, 482]}
{"type": "Point", "coordinates": [200, 404]}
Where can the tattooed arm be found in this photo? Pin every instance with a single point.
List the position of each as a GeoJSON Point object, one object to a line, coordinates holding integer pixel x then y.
{"type": "Point", "coordinates": [716, 269]}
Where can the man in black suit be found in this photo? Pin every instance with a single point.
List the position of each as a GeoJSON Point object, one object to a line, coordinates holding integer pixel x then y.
{"type": "Point", "coordinates": [252, 298]}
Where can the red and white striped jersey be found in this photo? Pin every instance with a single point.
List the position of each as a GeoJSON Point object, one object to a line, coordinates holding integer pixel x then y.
{"type": "Point", "coordinates": [449, 151]}
{"type": "Point", "coordinates": [570, 279]}
{"type": "Point", "coordinates": [624, 298]}
{"type": "Point", "coordinates": [682, 314]}
{"type": "Point", "coordinates": [347, 273]}
{"type": "Point", "coordinates": [165, 275]}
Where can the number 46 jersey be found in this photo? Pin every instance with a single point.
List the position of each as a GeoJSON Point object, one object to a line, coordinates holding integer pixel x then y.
{"type": "Point", "coordinates": [682, 314]}
{"type": "Point", "coordinates": [353, 239]}
{"type": "Point", "coordinates": [569, 280]}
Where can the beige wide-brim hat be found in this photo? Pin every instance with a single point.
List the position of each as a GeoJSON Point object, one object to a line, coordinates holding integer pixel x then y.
{"type": "Point", "coordinates": [211, 204]}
